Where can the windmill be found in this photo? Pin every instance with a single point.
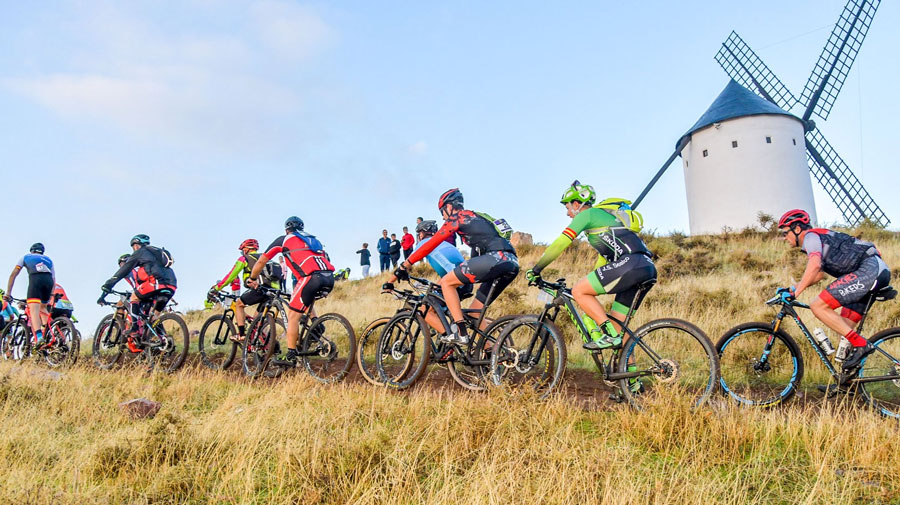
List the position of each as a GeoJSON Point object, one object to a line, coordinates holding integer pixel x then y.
{"type": "Point", "coordinates": [729, 118]}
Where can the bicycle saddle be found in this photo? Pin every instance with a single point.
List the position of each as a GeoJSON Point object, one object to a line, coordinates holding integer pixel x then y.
{"type": "Point", "coordinates": [886, 293]}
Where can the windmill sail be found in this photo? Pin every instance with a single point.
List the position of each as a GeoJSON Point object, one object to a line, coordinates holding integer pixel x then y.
{"type": "Point", "coordinates": [841, 184]}
{"type": "Point", "coordinates": [834, 63]}
{"type": "Point", "coordinates": [745, 67]}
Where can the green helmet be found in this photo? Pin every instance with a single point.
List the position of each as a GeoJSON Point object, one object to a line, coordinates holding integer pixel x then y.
{"type": "Point", "coordinates": [578, 192]}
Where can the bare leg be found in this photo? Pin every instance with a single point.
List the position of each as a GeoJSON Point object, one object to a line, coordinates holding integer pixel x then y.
{"type": "Point", "coordinates": [449, 283]}
{"type": "Point", "coordinates": [831, 318]}
{"type": "Point", "coordinates": [293, 328]}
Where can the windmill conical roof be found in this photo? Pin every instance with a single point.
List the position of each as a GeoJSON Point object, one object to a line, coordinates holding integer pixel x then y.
{"type": "Point", "coordinates": [735, 101]}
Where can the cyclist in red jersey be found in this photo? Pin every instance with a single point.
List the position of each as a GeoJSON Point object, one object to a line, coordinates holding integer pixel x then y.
{"type": "Point", "coordinates": [493, 257]}
{"type": "Point", "coordinates": [307, 260]}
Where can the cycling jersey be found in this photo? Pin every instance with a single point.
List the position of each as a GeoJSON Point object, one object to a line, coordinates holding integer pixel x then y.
{"type": "Point", "coordinates": [36, 264]}
{"type": "Point", "coordinates": [443, 258]}
{"type": "Point", "coordinates": [8, 311]}
{"type": "Point", "coordinates": [149, 269]}
{"type": "Point", "coordinates": [840, 253]}
{"type": "Point", "coordinates": [60, 305]}
{"type": "Point", "coordinates": [605, 234]}
{"type": "Point", "coordinates": [244, 265]}
{"type": "Point", "coordinates": [303, 253]}
{"type": "Point", "coordinates": [474, 230]}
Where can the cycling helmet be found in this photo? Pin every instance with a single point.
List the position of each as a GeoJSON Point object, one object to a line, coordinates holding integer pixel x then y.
{"type": "Point", "coordinates": [250, 243]}
{"type": "Point", "coordinates": [578, 192]}
{"type": "Point", "coordinates": [123, 258]}
{"type": "Point", "coordinates": [140, 239]}
{"type": "Point", "coordinates": [792, 217]}
{"type": "Point", "coordinates": [293, 223]}
{"type": "Point", "coordinates": [427, 226]}
{"type": "Point", "coordinates": [450, 196]}
{"type": "Point", "coordinates": [37, 248]}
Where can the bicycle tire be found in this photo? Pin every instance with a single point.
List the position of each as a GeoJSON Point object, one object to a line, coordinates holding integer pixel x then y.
{"type": "Point", "coordinates": [259, 345]}
{"type": "Point", "coordinates": [685, 361]}
{"type": "Point", "coordinates": [61, 332]}
{"type": "Point", "coordinates": [750, 382]}
{"type": "Point", "coordinates": [368, 340]}
{"type": "Point", "coordinates": [478, 377]}
{"type": "Point", "coordinates": [217, 356]}
{"type": "Point", "coordinates": [883, 396]}
{"type": "Point", "coordinates": [14, 340]}
{"type": "Point", "coordinates": [332, 336]}
{"type": "Point", "coordinates": [110, 335]}
{"type": "Point", "coordinates": [406, 341]}
{"type": "Point", "coordinates": [506, 368]}
{"type": "Point", "coordinates": [176, 340]}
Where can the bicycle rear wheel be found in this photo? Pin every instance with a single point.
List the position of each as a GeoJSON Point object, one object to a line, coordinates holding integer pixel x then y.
{"type": "Point", "coordinates": [109, 338]}
{"type": "Point", "coordinates": [403, 350]}
{"type": "Point", "coordinates": [62, 338]}
{"type": "Point", "coordinates": [174, 339]}
{"type": "Point", "coordinates": [883, 395]}
{"type": "Point", "coordinates": [750, 375]}
{"type": "Point", "coordinates": [259, 345]}
{"type": "Point", "coordinates": [673, 355]}
{"type": "Point", "coordinates": [365, 350]}
{"type": "Point", "coordinates": [529, 353]}
{"type": "Point", "coordinates": [217, 350]}
{"type": "Point", "coordinates": [478, 377]}
{"type": "Point", "coordinates": [14, 341]}
{"type": "Point", "coordinates": [328, 348]}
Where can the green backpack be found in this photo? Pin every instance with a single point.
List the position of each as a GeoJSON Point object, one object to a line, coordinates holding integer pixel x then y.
{"type": "Point", "coordinates": [503, 228]}
{"type": "Point", "coordinates": [621, 209]}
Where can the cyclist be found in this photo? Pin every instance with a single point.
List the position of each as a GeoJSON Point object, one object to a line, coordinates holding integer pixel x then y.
{"type": "Point", "coordinates": [7, 311]}
{"type": "Point", "coordinates": [130, 277]}
{"type": "Point", "coordinates": [859, 270]}
{"type": "Point", "coordinates": [272, 277]}
{"type": "Point", "coordinates": [623, 264]}
{"type": "Point", "coordinates": [155, 281]}
{"type": "Point", "coordinates": [41, 278]}
{"type": "Point", "coordinates": [306, 258]}
{"type": "Point", "coordinates": [493, 257]}
{"type": "Point", "coordinates": [60, 303]}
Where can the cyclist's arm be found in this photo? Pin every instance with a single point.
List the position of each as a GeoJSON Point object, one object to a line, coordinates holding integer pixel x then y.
{"type": "Point", "coordinates": [12, 279]}
{"type": "Point", "coordinates": [236, 270]}
{"type": "Point", "coordinates": [129, 265]}
{"type": "Point", "coordinates": [811, 275]}
{"type": "Point", "coordinates": [449, 228]}
{"type": "Point", "coordinates": [578, 224]}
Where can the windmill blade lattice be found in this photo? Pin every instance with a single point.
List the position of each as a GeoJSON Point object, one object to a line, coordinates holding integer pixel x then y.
{"type": "Point", "coordinates": [834, 63]}
{"type": "Point", "coordinates": [745, 67]}
{"type": "Point", "coordinates": [841, 184]}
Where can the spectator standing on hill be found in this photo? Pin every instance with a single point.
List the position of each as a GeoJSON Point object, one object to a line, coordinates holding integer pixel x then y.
{"type": "Point", "coordinates": [394, 249]}
{"type": "Point", "coordinates": [364, 256]}
{"type": "Point", "coordinates": [407, 242]}
{"type": "Point", "coordinates": [384, 251]}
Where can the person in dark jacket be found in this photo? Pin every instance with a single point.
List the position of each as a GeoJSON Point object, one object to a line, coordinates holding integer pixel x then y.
{"type": "Point", "coordinates": [364, 256]}
{"type": "Point", "coordinates": [384, 251]}
{"type": "Point", "coordinates": [394, 249]}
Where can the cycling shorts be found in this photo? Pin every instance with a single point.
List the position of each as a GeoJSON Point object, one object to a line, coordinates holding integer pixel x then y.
{"type": "Point", "coordinates": [253, 297]}
{"type": "Point", "coordinates": [159, 298]}
{"type": "Point", "coordinates": [849, 291]}
{"type": "Point", "coordinates": [622, 278]}
{"type": "Point", "coordinates": [40, 287]}
{"type": "Point", "coordinates": [500, 265]}
{"type": "Point", "coordinates": [310, 288]}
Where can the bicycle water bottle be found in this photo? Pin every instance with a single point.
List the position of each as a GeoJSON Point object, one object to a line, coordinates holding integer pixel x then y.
{"type": "Point", "coordinates": [823, 341]}
{"type": "Point", "coordinates": [589, 323]}
{"type": "Point", "coordinates": [843, 350]}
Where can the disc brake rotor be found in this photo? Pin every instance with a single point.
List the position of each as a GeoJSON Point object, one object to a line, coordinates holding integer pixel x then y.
{"type": "Point", "coordinates": [666, 371]}
{"type": "Point", "coordinates": [397, 350]}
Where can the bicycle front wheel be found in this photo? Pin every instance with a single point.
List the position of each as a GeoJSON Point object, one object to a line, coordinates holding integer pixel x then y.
{"type": "Point", "coordinates": [14, 341]}
{"type": "Point", "coordinates": [62, 339]}
{"type": "Point", "coordinates": [365, 350]}
{"type": "Point", "coordinates": [259, 345]}
{"type": "Point", "coordinates": [174, 340]}
{"type": "Point", "coordinates": [476, 374]}
{"type": "Point", "coordinates": [328, 348]}
{"type": "Point", "coordinates": [109, 338]}
{"type": "Point", "coordinates": [670, 355]}
{"type": "Point", "coordinates": [883, 395]}
{"type": "Point", "coordinates": [530, 353]}
{"type": "Point", "coordinates": [217, 350]}
{"type": "Point", "coordinates": [403, 350]}
{"type": "Point", "coordinates": [759, 366]}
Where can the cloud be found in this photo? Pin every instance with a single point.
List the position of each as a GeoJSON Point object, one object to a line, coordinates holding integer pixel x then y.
{"type": "Point", "coordinates": [294, 31]}
{"type": "Point", "coordinates": [418, 148]}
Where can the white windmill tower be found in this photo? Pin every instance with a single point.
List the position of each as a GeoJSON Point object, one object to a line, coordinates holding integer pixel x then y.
{"type": "Point", "coordinates": [747, 154]}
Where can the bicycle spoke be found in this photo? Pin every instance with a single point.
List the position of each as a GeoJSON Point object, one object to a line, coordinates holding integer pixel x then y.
{"type": "Point", "coordinates": [883, 395]}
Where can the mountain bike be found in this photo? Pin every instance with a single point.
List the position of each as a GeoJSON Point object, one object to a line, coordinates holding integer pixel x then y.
{"type": "Point", "coordinates": [161, 341]}
{"type": "Point", "coordinates": [368, 340]}
{"type": "Point", "coordinates": [407, 343]}
{"type": "Point", "coordinates": [326, 343]}
{"type": "Point", "coordinates": [218, 341]}
{"type": "Point", "coordinates": [60, 344]}
{"type": "Point", "coordinates": [762, 365]}
{"type": "Point", "coordinates": [664, 354]}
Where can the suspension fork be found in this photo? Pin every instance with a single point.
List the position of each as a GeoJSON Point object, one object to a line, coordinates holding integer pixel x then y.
{"type": "Point", "coordinates": [770, 342]}
{"type": "Point", "coordinates": [545, 315]}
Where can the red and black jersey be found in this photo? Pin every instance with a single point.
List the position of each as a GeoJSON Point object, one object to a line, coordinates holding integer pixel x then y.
{"type": "Point", "coordinates": [147, 264]}
{"type": "Point", "coordinates": [303, 253]}
{"type": "Point", "coordinates": [474, 230]}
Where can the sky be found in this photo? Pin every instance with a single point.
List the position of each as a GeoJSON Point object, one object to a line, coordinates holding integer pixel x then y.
{"type": "Point", "coordinates": [203, 122]}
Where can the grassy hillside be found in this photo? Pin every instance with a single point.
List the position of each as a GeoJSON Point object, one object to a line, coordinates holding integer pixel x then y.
{"type": "Point", "coordinates": [221, 439]}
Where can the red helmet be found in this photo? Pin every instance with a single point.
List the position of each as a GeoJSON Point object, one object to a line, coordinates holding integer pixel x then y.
{"type": "Point", "coordinates": [792, 217]}
{"type": "Point", "coordinates": [250, 243]}
{"type": "Point", "coordinates": [450, 196]}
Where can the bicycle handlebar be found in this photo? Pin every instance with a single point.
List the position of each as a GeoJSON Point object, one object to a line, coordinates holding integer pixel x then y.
{"type": "Point", "coordinates": [558, 285]}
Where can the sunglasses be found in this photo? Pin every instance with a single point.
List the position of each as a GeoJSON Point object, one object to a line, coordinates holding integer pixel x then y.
{"type": "Point", "coordinates": [785, 232]}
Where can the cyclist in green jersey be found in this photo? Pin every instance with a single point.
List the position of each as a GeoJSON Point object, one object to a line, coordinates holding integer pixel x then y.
{"type": "Point", "coordinates": [623, 265]}
{"type": "Point", "coordinates": [271, 277]}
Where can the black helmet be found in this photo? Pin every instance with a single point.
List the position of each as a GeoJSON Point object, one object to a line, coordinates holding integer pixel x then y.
{"type": "Point", "coordinates": [37, 248]}
{"type": "Point", "coordinates": [293, 223]}
{"type": "Point", "coordinates": [427, 226]}
{"type": "Point", "coordinates": [123, 258]}
{"type": "Point", "coordinates": [450, 196]}
{"type": "Point", "coordinates": [140, 239]}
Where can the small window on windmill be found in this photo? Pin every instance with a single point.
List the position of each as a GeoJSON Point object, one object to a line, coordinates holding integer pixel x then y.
{"type": "Point", "coordinates": [768, 140]}
{"type": "Point", "coordinates": [705, 153]}
{"type": "Point", "coordinates": [734, 143]}
{"type": "Point", "coordinates": [795, 141]}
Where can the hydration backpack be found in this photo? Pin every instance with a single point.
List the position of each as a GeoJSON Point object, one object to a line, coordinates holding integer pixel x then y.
{"type": "Point", "coordinates": [162, 255]}
{"type": "Point", "coordinates": [312, 243]}
{"type": "Point", "coordinates": [503, 228]}
{"type": "Point", "coordinates": [621, 209]}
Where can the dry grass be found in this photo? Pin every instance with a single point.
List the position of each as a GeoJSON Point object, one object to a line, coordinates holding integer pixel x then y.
{"type": "Point", "coordinates": [219, 439]}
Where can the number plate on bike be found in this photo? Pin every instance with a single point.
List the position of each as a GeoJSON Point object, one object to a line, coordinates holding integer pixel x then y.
{"type": "Point", "coordinates": [544, 297]}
